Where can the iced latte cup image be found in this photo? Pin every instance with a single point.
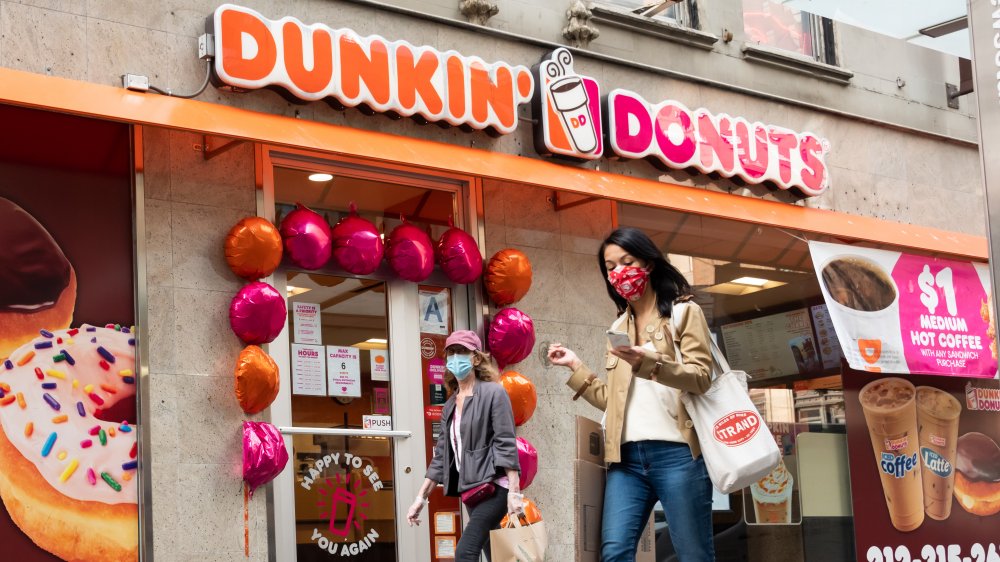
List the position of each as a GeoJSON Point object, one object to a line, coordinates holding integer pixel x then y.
{"type": "Point", "coordinates": [937, 420]}
{"type": "Point", "coordinates": [890, 408]}
{"type": "Point", "coordinates": [772, 496]}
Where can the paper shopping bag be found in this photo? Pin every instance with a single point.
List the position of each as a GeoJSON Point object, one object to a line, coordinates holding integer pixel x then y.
{"type": "Point", "coordinates": [519, 543]}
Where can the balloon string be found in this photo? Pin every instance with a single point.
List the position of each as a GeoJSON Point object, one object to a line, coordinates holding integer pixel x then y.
{"type": "Point", "coordinates": [246, 520]}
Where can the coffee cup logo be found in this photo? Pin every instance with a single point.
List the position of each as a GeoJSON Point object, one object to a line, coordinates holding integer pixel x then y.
{"type": "Point", "coordinates": [569, 110]}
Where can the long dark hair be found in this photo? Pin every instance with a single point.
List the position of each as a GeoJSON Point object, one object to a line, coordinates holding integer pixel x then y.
{"type": "Point", "coordinates": [665, 280]}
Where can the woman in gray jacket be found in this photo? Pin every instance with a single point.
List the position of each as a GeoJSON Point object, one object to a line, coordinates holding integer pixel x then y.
{"type": "Point", "coordinates": [476, 453]}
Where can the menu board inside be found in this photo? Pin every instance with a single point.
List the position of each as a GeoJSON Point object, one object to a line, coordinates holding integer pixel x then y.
{"type": "Point", "coordinates": [772, 346]}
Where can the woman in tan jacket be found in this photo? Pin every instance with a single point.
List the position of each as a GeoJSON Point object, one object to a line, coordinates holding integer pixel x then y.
{"type": "Point", "coordinates": [650, 445]}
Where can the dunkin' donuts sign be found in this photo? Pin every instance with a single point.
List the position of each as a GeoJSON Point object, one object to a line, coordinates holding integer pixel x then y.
{"type": "Point", "coordinates": [572, 119]}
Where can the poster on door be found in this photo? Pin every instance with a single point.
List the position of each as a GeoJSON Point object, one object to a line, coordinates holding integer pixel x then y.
{"type": "Point", "coordinates": [379, 359]}
{"type": "Point", "coordinates": [925, 466]}
{"type": "Point", "coordinates": [343, 371]}
{"type": "Point", "coordinates": [434, 312]}
{"type": "Point", "coordinates": [904, 313]}
{"type": "Point", "coordinates": [308, 370]}
{"type": "Point", "coordinates": [306, 323]}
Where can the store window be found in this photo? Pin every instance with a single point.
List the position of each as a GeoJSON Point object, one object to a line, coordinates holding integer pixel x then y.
{"type": "Point", "coordinates": [683, 13]}
{"type": "Point", "coordinates": [771, 24]}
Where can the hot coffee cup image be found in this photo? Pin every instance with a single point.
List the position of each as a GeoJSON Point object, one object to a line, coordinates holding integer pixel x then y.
{"type": "Point", "coordinates": [890, 408]}
{"type": "Point", "coordinates": [864, 307]}
{"type": "Point", "coordinates": [937, 417]}
{"type": "Point", "coordinates": [569, 97]}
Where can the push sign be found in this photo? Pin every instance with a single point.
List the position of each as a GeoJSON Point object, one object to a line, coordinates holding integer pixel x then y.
{"type": "Point", "coordinates": [382, 423]}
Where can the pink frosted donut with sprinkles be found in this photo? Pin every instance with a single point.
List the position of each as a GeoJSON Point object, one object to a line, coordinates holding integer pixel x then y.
{"type": "Point", "coordinates": [68, 455]}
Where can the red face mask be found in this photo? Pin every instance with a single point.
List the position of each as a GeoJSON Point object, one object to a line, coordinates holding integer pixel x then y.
{"type": "Point", "coordinates": [629, 282]}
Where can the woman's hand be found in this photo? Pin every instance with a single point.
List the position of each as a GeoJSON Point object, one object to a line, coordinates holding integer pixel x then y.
{"type": "Point", "coordinates": [413, 515]}
{"type": "Point", "coordinates": [515, 502]}
{"type": "Point", "coordinates": [560, 355]}
{"type": "Point", "coordinates": [632, 355]}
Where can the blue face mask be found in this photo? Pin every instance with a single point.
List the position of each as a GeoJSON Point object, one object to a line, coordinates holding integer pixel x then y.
{"type": "Point", "coordinates": [459, 365]}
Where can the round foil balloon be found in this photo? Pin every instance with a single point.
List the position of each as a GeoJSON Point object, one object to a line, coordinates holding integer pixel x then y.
{"type": "Point", "coordinates": [257, 313]}
{"type": "Point", "coordinates": [530, 516]}
{"type": "Point", "coordinates": [253, 248]}
{"type": "Point", "coordinates": [508, 276]}
{"type": "Point", "coordinates": [264, 453]}
{"type": "Point", "coordinates": [511, 337]}
{"type": "Point", "coordinates": [527, 456]}
{"type": "Point", "coordinates": [307, 238]}
{"type": "Point", "coordinates": [410, 252]}
{"type": "Point", "coordinates": [523, 397]}
{"type": "Point", "coordinates": [357, 245]}
{"type": "Point", "coordinates": [256, 379]}
{"type": "Point", "coordinates": [459, 257]}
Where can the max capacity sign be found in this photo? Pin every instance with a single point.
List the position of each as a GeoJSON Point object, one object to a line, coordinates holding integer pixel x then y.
{"type": "Point", "coordinates": [572, 119]}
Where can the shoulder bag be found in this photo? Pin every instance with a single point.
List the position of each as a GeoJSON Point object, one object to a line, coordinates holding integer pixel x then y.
{"type": "Point", "coordinates": [737, 446]}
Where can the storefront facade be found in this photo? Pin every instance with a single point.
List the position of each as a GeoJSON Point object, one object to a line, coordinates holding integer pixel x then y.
{"type": "Point", "coordinates": [900, 172]}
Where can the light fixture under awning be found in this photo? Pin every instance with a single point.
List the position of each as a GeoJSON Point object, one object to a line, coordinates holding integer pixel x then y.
{"type": "Point", "coordinates": [902, 19]}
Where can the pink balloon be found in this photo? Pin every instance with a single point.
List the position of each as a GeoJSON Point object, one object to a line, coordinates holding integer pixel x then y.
{"type": "Point", "coordinates": [511, 337]}
{"type": "Point", "coordinates": [264, 453]}
{"type": "Point", "coordinates": [307, 238]}
{"type": "Point", "coordinates": [257, 313]}
{"type": "Point", "coordinates": [410, 252]}
{"type": "Point", "coordinates": [527, 457]}
{"type": "Point", "coordinates": [357, 246]}
{"type": "Point", "coordinates": [459, 256]}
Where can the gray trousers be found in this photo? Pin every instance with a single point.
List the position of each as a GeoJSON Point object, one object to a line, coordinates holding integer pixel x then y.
{"type": "Point", "coordinates": [483, 518]}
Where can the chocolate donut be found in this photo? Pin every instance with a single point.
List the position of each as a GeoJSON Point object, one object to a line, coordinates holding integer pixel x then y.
{"type": "Point", "coordinates": [977, 474]}
{"type": "Point", "coordinates": [37, 282]}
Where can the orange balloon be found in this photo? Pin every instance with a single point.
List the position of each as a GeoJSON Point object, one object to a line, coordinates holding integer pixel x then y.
{"type": "Point", "coordinates": [257, 379]}
{"type": "Point", "coordinates": [531, 514]}
{"type": "Point", "coordinates": [523, 397]}
{"type": "Point", "coordinates": [508, 276]}
{"type": "Point", "coordinates": [253, 248]}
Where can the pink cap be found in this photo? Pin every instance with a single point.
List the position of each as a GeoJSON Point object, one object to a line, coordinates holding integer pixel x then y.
{"type": "Point", "coordinates": [465, 338]}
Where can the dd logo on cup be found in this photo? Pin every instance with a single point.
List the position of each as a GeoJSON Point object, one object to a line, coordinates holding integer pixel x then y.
{"type": "Point", "coordinates": [568, 108]}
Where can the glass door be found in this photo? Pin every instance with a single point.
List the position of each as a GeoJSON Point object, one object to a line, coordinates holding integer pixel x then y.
{"type": "Point", "coordinates": [357, 373]}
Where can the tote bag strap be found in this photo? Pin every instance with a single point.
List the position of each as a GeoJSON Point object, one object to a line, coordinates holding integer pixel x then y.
{"type": "Point", "coordinates": [720, 361]}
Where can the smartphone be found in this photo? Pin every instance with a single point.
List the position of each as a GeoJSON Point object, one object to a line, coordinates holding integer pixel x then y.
{"type": "Point", "coordinates": [619, 339]}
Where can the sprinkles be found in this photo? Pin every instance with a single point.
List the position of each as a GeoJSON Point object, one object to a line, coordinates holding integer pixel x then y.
{"type": "Point", "coordinates": [61, 418]}
{"type": "Point", "coordinates": [51, 401]}
{"type": "Point", "coordinates": [128, 380]}
{"type": "Point", "coordinates": [69, 358]}
{"type": "Point", "coordinates": [125, 428]}
{"type": "Point", "coordinates": [43, 345]}
{"type": "Point", "coordinates": [58, 357]}
{"type": "Point", "coordinates": [111, 432]}
{"type": "Point", "coordinates": [125, 373]}
{"type": "Point", "coordinates": [131, 341]}
{"type": "Point", "coordinates": [94, 430]}
{"type": "Point", "coordinates": [62, 455]}
{"type": "Point", "coordinates": [29, 428]}
{"type": "Point", "coordinates": [105, 354]}
{"type": "Point", "coordinates": [109, 389]}
{"type": "Point", "coordinates": [47, 333]}
{"type": "Point", "coordinates": [89, 388]}
{"type": "Point", "coordinates": [135, 450]}
{"type": "Point", "coordinates": [49, 385]}
{"type": "Point", "coordinates": [81, 410]}
{"type": "Point", "coordinates": [73, 332]}
{"type": "Point", "coordinates": [126, 476]}
{"type": "Point", "coordinates": [96, 399]}
{"type": "Point", "coordinates": [47, 448]}
{"type": "Point", "coordinates": [86, 443]}
{"type": "Point", "coordinates": [73, 464]}
{"type": "Point", "coordinates": [111, 482]}
{"type": "Point", "coordinates": [130, 465]}
{"type": "Point", "coordinates": [20, 400]}
{"type": "Point", "coordinates": [91, 477]}
{"type": "Point", "coordinates": [8, 364]}
{"type": "Point", "coordinates": [56, 374]}
{"type": "Point", "coordinates": [27, 357]}
{"type": "Point", "coordinates": [91, 329]}
{"type": "Point", "coordinates": [39, 374]}
{"type": "Point", "coordinates": [7, 400]}
{"type": "Point", "coordinates": [103, 437]}
{"type": "Point", "coordinates": [104, 365]}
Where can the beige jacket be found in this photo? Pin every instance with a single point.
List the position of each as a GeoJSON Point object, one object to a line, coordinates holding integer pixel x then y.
{"type": "Point", "coordinates": [694, 375]}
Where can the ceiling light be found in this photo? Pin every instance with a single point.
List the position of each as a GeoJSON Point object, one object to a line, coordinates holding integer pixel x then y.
{"type": "Point", "coordinates": [320, 177]}
{"type": "Point", "coordinates": [292, 290]}
{"type": "Point", "coordinates": [752, 281]}
{"type": "Point", "coordinates": [377, 340]}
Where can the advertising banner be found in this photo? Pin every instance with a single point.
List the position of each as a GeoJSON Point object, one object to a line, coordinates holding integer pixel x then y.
{"type": "Point", "coordinates": [925, 467]}
{"type": "Point", "coordinates": [68, 450]}
{"type": "Point", "coordinates": [903, 313]}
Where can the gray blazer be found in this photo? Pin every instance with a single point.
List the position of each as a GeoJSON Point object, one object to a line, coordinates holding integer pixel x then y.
{"type": "Point", "coordinates": [487, 427]}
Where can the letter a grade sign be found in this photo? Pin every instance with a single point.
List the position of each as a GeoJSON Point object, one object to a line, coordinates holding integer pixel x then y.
{"type": "Point", "coordinates": [572, 120]}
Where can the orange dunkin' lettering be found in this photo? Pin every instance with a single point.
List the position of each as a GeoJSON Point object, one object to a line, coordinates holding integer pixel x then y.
{"type": "Point", "coordinates": [496, 95]}
{"type": "Point", "coordinates": [415, 79]}
{"type": "Point", "coordinates": [236, 27]}
{"type": "Point", "coordinates": [456, 89]}
{"type": "Point", "coordinates": [372, 68]}
{"type": "Point", "coordinates": [318, 78]}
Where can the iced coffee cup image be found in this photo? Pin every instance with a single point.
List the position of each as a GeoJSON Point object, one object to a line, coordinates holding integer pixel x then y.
{"type": "Point", "coordinates": [569, 97]}
{"type": "Point", "coordinates": [864, 306]}
{"type": "Point", "coordinates": [890, 408]}
{"type": "Point", "coordinates": [937, 420]}
{"type": "Point", "coordinates": [772, 496]}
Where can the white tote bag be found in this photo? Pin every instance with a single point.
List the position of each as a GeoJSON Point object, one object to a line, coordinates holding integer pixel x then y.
{"type": "Point", "coordinates": [736, 444]}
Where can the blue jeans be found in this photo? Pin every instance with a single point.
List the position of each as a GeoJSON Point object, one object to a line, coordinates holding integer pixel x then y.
{"type": "Point", "coordinates": [651, 470]}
